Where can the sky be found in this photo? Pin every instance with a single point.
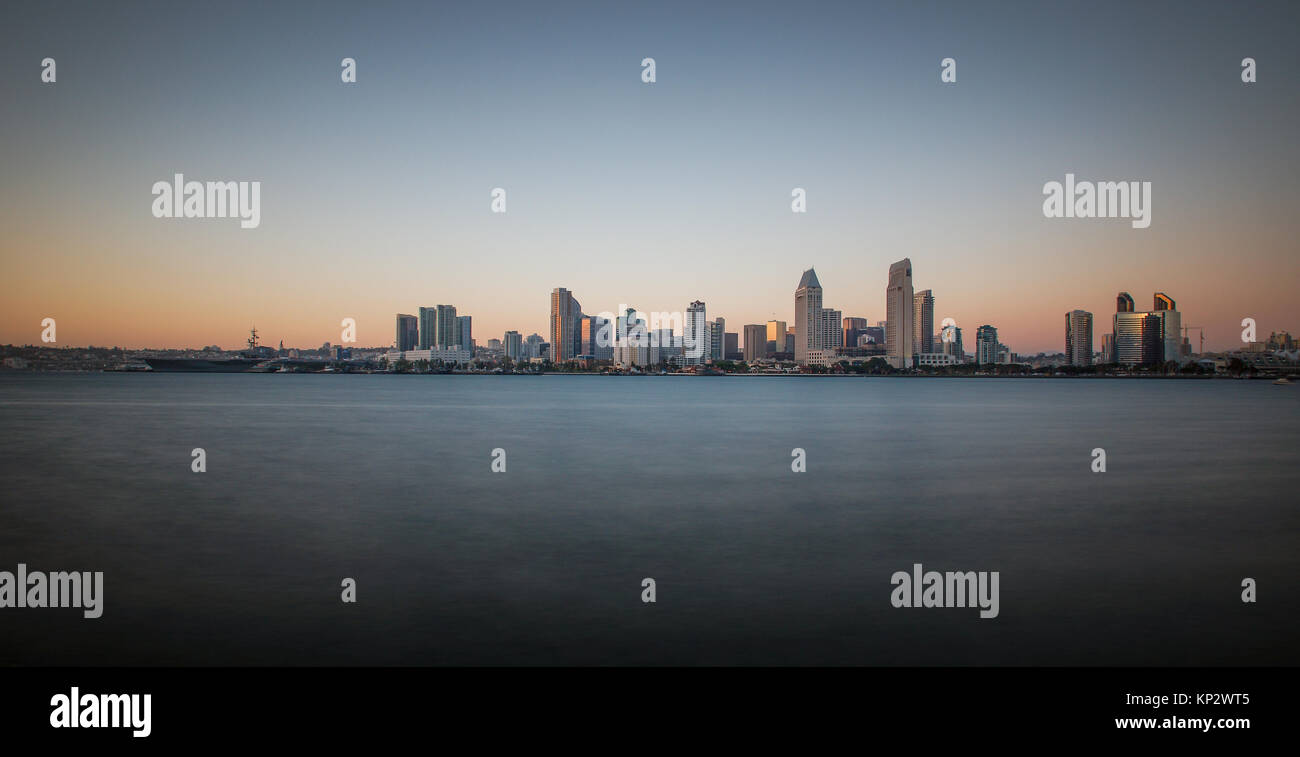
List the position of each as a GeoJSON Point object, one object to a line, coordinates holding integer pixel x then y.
{"type": "Point", "coordinates": [375, 196]}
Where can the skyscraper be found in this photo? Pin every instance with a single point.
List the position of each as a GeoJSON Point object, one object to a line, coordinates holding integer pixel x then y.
{"type": "Point", "coordinates": [446, 330]}
{"type": "Point", "coordinates": [664, 347]}
{"type": "Point", "coordinates": [513, 345]}
{"type": "Point", "coordinates": [898, 314]}
{"type": "Point", "coordinates": [951, 344]}
{"type": "Point", "coordinates": [1078, 337]}
{"type": "Point", "coordinates": [755, 341]}
{"type": "Point", "coordinates": [631, 340]}
{"type": "Point", "coordinates": [730, 345]}
{"type": "Point", "coordinates": [408, 332]}
{"type": "Point", "coordinates": [852, 329]}
{"type": "Point", "coordinates": [696, 347]}
{"type": "Point", "coordinates": [534, 346]}
{"type": "Point", "coordinates": [1146, 338]}
{"type": "Point", "coordinates": [565, 329]}
{"type": "Point", "coordinates": [807, 309]}
{"type": "Point", "coordinates": [1171, 325]}
{"type": "Point", "coordinates": [428, 317]}
{"type": "Point", "coordinates": [1138, 338]}
{"type": "Point", "coordinates": [717, 332]}
{"type": "Point", "coordinates": [465, 332]}
{"type": "Point", "coordinates": [923, 321]}
{"type": "Point", "coordinates": [830, 329]}
{"type": "Point", "coordinates": [986, 345]}
{"type": "Point", "coordinates": [597, 337]}
{"type": "Point", "coordinates": [775, 336]}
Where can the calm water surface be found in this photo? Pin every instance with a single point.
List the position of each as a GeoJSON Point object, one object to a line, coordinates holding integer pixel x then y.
{"type": "Point", "coordinates": [387, 479]}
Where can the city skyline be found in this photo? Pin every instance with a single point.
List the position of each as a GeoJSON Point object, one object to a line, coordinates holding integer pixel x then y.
{"type": "Point", "coordinates": [441, 326]}
{"type": "Point", "coordinates": [378, 193]}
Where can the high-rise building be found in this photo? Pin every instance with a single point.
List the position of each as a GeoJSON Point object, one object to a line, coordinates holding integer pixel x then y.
{"type": "Point", "coordinates": [465, 332]}
{"type": "Point", "coordinates": [789, 341]}
{"type": "Point", "coordinates": [807, 309]}
{"type": "Point", "coordinates": [408, 332]}
{"type": "Point", "coordinates": [428, 318]}
{"type": "Point", "coordinates": [1078, 337]}
{"type": "Point", "coordinates": [446, 329]}
{"type": "Point", "coordinates": [952, 344]}
{"type": "Point", "coordinates": [755, 341]}
{"type": "Point", "coordinates": [631, 340]}
{"type": "Point", "coordinates": [534, 346]}
{"type": "Point", "coordinates": [775, 336]}
{"type": "Point", "coordinates": [898, 314]}
{"type": "Point", "coordinates": [1171, 326]}
{"type": "Point", "coordinates": [513, 345]}
{"type": "Point", "coordinates": [717, 330]}
{"type": "Point", "coordinates": [1146, 338]}
{"type": "Point", "coordinates": [830, 328]}
{"type": "Point", "coordinates": [923, 321]}
{"type": "Point", "coordinates": [597, 337]}
{"type": "Point", "coordinates": [1138, 338]}
{"type": "Point", "coordinates": [664, 347]}
{"type": "Point", "coordinates": [986, 345]}
{"type": "Point", "coordinates": [1280, 340]}
{"type": "Point", "coordinates": [873, 335]}
{"type": "Point", "coordinates": [696, 347]}
{"type": "Point", "coordinates": [1108, 348]}
{"type": "Point", "coordinates": [565, 328]}
{"type": "Point", "coordinates": [852, 329]}
{"type": "Point", "coordinates": [731, 345]}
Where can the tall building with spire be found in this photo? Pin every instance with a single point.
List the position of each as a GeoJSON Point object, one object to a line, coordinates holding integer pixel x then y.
{"type": "Point", "coordinates": [898, 313]}
{"type": "Point", "coordinates": [807, 316]}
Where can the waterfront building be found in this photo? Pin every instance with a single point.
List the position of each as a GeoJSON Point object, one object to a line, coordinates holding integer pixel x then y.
{"type": "Point", "coordinates": [986, 345]}
{"type": "Point", "coordinates": [696, 347]}
{"type": "Point", "coordinates": [566, 313]}
{"type": "Point", "coordinates": [775, 337]}
{"type": "Point", "coordinates": [899, 303]}
{"type": "Point", "coordinates": [1078, 337]}
{"type": "Point", "coordinates": [513, 345]}
{"type": "Point", "coordinates": [465, 332]}
{"type": "Point", "coordinates": [755, 342]}
{"type": "Point", "coordinates": [923, 321]}
{"type": "Point", "coordinates": [408, 333]}
{"type": "Point", "coordinates": [807, 309]}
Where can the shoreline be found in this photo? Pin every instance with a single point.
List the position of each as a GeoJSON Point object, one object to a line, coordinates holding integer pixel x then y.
{"type": "Point", "coordinates": [1294, 376]}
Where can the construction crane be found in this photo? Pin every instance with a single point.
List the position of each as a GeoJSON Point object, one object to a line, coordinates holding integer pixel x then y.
{"type": "Point", "coordinates": [1200, 330]}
